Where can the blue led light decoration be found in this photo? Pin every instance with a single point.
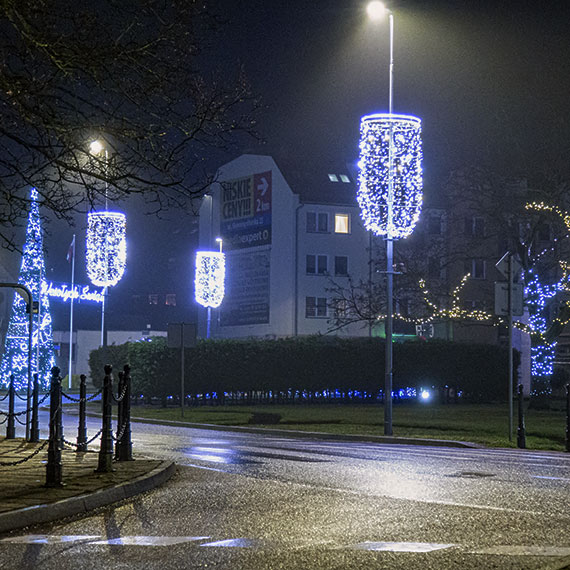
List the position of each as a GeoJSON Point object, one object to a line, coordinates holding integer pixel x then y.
{"type": "Point", "coordinates": [32, 275]}
{"type": "Point", "coordinates": [542, 353]}
{"type": "Point", "coordinates": [394, 215]}
{"type": "Point", "coordinates": [106, 247]}
{"type": "Point", "coordinates": [210, 278]}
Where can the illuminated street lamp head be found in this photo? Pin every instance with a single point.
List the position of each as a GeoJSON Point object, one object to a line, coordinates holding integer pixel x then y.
{"type": "Point", "coordinates": [96, 147]}
{"type": "Point", "coordinates": [221, 242]}
{"type": "Point", "coordinates": [376, 10]}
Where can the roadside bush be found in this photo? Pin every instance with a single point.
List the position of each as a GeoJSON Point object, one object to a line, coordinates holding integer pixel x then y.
{"type": "Point", "coordinates": [309, 366]}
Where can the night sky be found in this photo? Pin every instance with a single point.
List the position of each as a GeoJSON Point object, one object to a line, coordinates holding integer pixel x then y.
{"type": "Point", "coordinates": [490, 80]}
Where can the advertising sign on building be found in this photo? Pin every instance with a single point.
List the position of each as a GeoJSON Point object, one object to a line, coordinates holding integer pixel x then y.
{"type": "Point", "coordinates": [246, 211]}
{"type": "Point", "coordinates": [247, 299]}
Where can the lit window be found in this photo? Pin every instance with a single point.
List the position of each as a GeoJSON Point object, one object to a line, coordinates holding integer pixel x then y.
{"type": "Point", "coordinates": [341, 223]}
{"type": "Point", "coordinates": [315, 307]}
{"type": "Point", "coordinates": [170, 299]}
{"type": "Point", "coordinates": [153, 299]}
{"type": "Point", "coordinates": [340, 265]}
{"type": "Point", "coordinates": [345, 178]}
{"type": "Point", "coordinates": [333, 178]}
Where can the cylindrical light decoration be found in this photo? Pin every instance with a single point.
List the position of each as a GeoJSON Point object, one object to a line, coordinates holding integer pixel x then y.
{"type": "Point", "coordinates": [210, 278]}
{"type": "Point", "coordinates": [106, 247]}
{"type": "Point", "coordinates": [373, 187]}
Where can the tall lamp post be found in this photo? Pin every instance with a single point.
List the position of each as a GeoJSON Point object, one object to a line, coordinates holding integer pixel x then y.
{"type": "Point", "coordinates": [106, 244]}
{"type": "Point", "coordinates": [389, 192]}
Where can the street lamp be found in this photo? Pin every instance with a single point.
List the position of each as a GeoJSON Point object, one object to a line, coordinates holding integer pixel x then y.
{"type": "Point", "coordinates": [106, 243]}
{"type": "Point", "coordinates": [389, 192]}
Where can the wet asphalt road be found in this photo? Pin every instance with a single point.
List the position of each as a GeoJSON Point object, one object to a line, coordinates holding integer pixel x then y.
{"type": "Point", "coordinates": [253, 501]}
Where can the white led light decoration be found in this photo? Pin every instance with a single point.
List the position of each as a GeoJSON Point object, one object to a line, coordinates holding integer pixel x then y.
{"type": "Point", "coordinates": [395, 215]}
{"type": "Point", "coordinates": [210, 277]}
{"type": "Point", "coordinates": [106, 247]}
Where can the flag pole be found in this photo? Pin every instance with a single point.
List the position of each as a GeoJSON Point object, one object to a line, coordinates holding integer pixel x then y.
{"type": "Point", "coordinates": [70, 367]}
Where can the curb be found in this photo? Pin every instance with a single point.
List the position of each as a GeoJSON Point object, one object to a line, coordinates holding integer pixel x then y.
{"type": "Point", "coordinates": [80, 504]}
{"type": "Point", "coordinates": [319, 435]}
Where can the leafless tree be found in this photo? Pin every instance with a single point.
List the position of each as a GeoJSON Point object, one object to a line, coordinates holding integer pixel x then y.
{"type": "Point", "coordinates": [135, 73]}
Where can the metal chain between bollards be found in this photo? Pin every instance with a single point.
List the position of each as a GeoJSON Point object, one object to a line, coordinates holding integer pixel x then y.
{"type": "Point", "coordinates": [124, 446]}
{"type": "Point", "coordinates": [20, 461]}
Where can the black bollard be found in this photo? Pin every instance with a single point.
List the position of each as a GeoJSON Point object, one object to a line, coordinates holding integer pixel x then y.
{"type": "Point", "coordinates": [567, 417]}
{"type": "Point", "coordinates": [11, 425]}
{"type": "Point", "coordinates": [521, 432]}
{"type": "Point", "coordinates": [125, 445]}
{"type": "Point", "coordinates": [119, 413]}
{"type": "Point", "coordinates": [35, 427]}
{"type": "Point", "coordinates": [53, 467]}
{"type": "Point", "coordinates": [105, 464]}
{"type": "Point", "coordinates": [82, 428]}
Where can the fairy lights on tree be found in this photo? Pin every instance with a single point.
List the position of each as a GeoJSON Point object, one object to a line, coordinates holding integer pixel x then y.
{"type": "Point", "coordinates": [106, 247]}
{"type": "Point", "coordinates": [32, 275]}
{"type": "Point", "coordinates": [391, 211]}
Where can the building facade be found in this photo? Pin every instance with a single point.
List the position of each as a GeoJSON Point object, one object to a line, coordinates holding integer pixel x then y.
{"type": "Point", "coordinates": [283, 249]}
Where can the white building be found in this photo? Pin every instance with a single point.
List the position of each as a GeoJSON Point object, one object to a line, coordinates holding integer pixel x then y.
{"type": "Point", "coordinates": [283, 249]}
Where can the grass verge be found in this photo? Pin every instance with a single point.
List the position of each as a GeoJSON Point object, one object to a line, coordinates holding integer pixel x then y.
{"type": "Point", "coordinates": [483, 424]}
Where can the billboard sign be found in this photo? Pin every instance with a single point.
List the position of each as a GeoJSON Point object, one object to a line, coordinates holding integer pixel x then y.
{"type": "Point", "coordinates": [245, 217]}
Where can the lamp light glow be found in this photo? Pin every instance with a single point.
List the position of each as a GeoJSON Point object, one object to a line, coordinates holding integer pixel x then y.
{"type": "Point", "coordinates": [106, 247]}
{"type": "Point", "coordinates": [376, 10]}
{"type": "Point", "coordinates": [373, 188]}
{"type": "Point", "coordinates": [96, 147]}
{"type": "Point", "coordinates": [210, 278]}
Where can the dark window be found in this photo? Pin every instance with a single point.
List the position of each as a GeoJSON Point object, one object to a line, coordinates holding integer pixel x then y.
{"type": "Point", "coordinates": [340, 265]}
{"type": "Point", "coordinates": [311, 222]}
{"type": "Point", "coordinates": [322, 264]}
{"type": "Point", "coordinates": [475, 226]}
{"type": "Point", "coordinates": [315, 307]}
{"type": "Point", "coordinates": [476, 267]}
{"type": "Point", "coordinates": [311, 265]}
{"type": "Point", "coordinates": [323, 222]}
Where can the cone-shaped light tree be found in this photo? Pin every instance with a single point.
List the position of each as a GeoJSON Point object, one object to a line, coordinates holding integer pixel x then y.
{"type": "Point", "coordinates": [32, 275]}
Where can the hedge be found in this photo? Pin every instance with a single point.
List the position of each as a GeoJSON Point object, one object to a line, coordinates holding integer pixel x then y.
{"type": "Point", "coordinates": [309, 364]}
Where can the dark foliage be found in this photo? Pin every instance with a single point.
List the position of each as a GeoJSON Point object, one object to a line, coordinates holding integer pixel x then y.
{"type": "Point", "coordinates": [311, 364]}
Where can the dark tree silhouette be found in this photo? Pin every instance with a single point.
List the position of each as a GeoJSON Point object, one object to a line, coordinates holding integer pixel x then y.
{"type": "Point", "coordinates": [135, 73]}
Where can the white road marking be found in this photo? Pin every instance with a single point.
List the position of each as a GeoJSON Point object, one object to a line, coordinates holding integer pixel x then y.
{"type": "Point", "coordinates": [233, 543]}
{"type": "Point", "coordinates": [149, 540]}
{"type": "Point", "coordinates": [197, 541]}
{"type": "Point", "coordinates": [402, 546]}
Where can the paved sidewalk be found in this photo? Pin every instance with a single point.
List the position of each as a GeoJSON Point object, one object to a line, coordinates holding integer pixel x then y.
{"type": "Point", "coordinates": [24, 499]}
